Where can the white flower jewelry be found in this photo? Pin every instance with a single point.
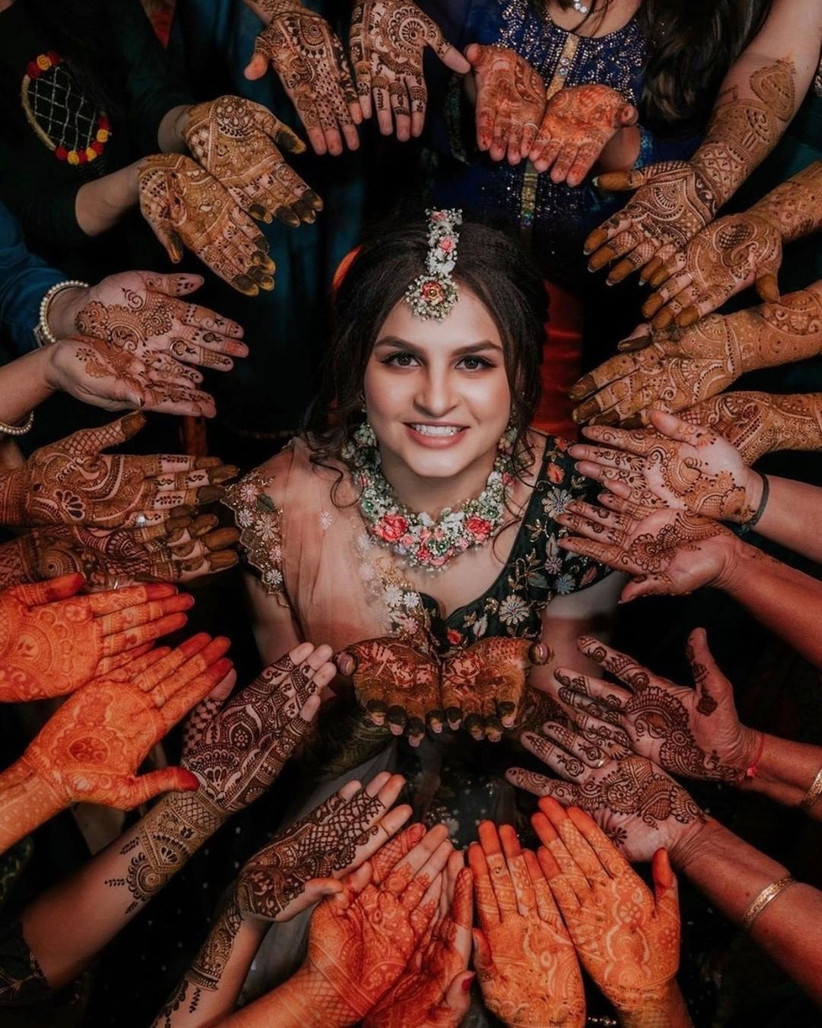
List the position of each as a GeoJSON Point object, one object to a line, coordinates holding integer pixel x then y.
{"type": "Point", "coordinates": [434, 294]}
{"type": "Point", "coordinates": [423, 541]}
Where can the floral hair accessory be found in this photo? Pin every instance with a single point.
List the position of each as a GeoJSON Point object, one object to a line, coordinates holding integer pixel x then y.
{"type": "Point", "coordinates": [434, 294]}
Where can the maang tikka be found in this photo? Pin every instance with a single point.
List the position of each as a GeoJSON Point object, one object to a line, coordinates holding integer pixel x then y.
{"type": "Point", "coordinates": [434, 294]}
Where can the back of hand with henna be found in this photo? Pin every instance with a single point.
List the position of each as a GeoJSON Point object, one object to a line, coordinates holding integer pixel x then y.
{"type": "Point", "coordinates": [72, 482]}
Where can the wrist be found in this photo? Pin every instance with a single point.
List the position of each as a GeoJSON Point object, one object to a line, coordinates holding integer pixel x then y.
{"type": "Point", "coordinates": [27, 800]}
{"type": "Point", "coordinates": [304, 1002]}
{"type": "Point", "coordinates": [756, 496]}
{"type": "Point", "coordinates": [663, 1005]}
{"type": "Point", "coordinates": [735, 556]}
{"type": "Point", "coordinates": [61, 319]}
{"type": "Point", "coordinates": [693, 843]}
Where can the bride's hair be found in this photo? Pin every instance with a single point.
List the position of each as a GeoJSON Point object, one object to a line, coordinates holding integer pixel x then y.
{"type": "Point", "coordinates": [490, 264]}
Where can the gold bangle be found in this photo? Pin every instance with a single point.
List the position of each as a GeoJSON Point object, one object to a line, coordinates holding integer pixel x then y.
{"type": "Point", "coordinates": [17, 430]}
{"type": "Point", "coordinates": [770, 892]}
{"type": "Point", "coordinates": [813, 794]}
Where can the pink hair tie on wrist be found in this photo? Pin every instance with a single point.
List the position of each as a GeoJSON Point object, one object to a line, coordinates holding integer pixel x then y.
{"type": "Point", "coordinates": [752, 770]}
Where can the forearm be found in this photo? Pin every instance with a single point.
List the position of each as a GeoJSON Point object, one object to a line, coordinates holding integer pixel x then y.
{"type": "Point", "coordinates": [781, 332]}
{"type": "Point", "coordinates": [785, 771]}
{"type": "Point", "coordinates": [732, 874]}
{"type": "Point", "coordinates": [170, 138]}
{"type": "Point", "coordinates": [759, 96]}
{"type": "Point", "coordinates": [760, 423]}
{"type": "Point", "coordinates": [209, 989]}
{"type": "Point", "coordinates": [23, 386]}
{"type": "Point", "coordinates": [795, 206]}
{"type": "Point", "coordinates": [94, 904]}
{"type": "Point", "coordinates": [293, 1005]}
{"type": "Point", "coordinates": [25, 803]}
{"type": "Point", "coordinates": [792, 515]}
{"type": "Point", "coordinates": [100, 204]}
{"type": "Point", "coordinates": [782, 598]}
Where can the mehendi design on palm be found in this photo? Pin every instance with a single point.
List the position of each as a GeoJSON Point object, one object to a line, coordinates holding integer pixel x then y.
{"type": "Point", "coordinates": [235, 139]}
{"type": "Point", "coordinates": [187, 207]}
{"type": "Point", "coordinates": [578, 123]}
{"type": "Point", "coordinates": [52, 641]}
{"type": "Point", "coordinates": [510, 102]}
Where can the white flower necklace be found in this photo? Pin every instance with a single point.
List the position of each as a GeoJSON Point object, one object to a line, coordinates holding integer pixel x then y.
{"type": "Point", "coordinates": [423, 541]}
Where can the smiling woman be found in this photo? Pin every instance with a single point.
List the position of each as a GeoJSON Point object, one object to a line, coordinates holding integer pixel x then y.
{"type": "Point", "coordinates": [417, 512]}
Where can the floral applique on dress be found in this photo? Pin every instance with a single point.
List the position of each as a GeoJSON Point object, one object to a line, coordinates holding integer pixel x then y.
{"type": "Point", "coordinates": [260, 522]}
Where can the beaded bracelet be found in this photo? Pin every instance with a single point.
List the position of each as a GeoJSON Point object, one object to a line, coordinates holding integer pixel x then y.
{"type": "Point", "coordinates": [769, 893]}
{"type": "Point", "coordinates": [17, 429]}
{"type": "Point", "coordinates": [43, 332]}
{"type": "Point", "coordinates": [813, 794]}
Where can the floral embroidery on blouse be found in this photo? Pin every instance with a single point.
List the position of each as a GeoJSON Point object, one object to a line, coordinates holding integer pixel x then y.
{"type": "Point", "coordinates": [260, 522]}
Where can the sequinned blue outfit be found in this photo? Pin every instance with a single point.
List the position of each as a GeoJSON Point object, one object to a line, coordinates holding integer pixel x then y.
{"type": "Point", "coordinates": [553, 216]}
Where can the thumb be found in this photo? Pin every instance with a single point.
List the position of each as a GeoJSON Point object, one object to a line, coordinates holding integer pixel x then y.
{"type": "Point", "coordinates": [49, 592]}
{"type": "Point", "coordinates": [483, 961]}
{"type": "Point", "coordinates": [474, 53]}
{"type": "Point", "coordinates": [315, 891]}
{"type": "Point", "coordinates": [458, 997]}
{"type": "Point", "coordinates": [256, 67]}
{"type": "Point", "coordinates": [675, 428]}
{"type": "Point", "coordinates": [620, 181]}
{"type": "Point", "coordinates": [666, 888]}
{"type": "Point", "coordinates": [767, 286]}
{"type": "Point", "coordinates": [453, 59]}
{"type": "Point", "coordinates": [90, 441]}
{"type": "Point", "coordinates": [171, 285]}
{"type": "Point", "coordinates": [703, 665]}
{"type": "Point", "coordinates": [627, 115]}
{"type": "Point", "coordinates": [146, 787]}
{"type": "Point", "coordinates": [346, 663]}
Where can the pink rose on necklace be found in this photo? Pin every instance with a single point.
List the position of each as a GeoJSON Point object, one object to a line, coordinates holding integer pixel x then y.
{"type": "Point", "coordinates": [391, 527]}
{"type": "Point", "coordinates": [478, 527]}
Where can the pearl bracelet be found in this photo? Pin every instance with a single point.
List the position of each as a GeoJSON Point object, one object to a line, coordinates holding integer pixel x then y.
{"type": "Point", "coordinates": [17, 429]}
{"type": "Point", "coordinates": [43, 332]}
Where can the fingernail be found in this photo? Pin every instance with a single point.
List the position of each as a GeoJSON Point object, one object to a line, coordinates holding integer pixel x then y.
{"type": "Point", "coordinates": [467, 982]}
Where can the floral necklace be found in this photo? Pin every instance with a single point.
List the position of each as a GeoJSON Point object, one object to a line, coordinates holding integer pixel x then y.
{"type": "Point", "coordinates": [423, 541]}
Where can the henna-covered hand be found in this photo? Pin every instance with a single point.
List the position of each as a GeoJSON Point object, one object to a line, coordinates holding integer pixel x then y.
{"type": "Point", "coordinates": [72, 482]}
{"type": "Point", "coordinates": [143, 313]}
{"type": "Point", "coordinates": [691, 732]}
{"type": "Point", "coordinates": [103, 375]}
{"type": "Point", "coordinates": [578, 123]}
{"type": "Point", "coordinates": [361, 940]}
{"type": "Point", "coordinates": [675, 464]}
{"type": "Point", "coordinates": [186, 206]}
{"type": "Point", "coordinates": [626, 937]}
{"type": "Point", "coordinates": [310, 61]}
{"type": "Point", "coordinates": [672, 369]}
{"type": "Point", "coordinates": [483, 685]}
{"type": "Point", "coordinates": [664, 551]}
{"type": "Point", "coordinates": [90, 749]}
{"type": "Point", "coordinates": [734, 252]}
{"type": "Point", "coordinates": [721, 260]}
{"type": "Point", "coordinates": [675, 199]}
{"type": "Point", "coordinates": [305, 862]}
{"type": "Point", "coordinates": [432, 991]}
{"type": "Point", "coordinates": [638, 806]}
{"type": "Point", "coordinates": [386, 46]}
{"type": "Point", "coordinates": [760, 423]}
{"type": "Point", "coordinates": [235, 139]}
{"type": "Point", "coordinates": [525, 961]}
{"type": "Point", "coordinates": [178, 550]}
{"type": "Point", "coordinates": [510, 101]}
{"type": "Point", "coordinates": [53, 641]}
{"type": "Point", "coordinates": [397, 683]}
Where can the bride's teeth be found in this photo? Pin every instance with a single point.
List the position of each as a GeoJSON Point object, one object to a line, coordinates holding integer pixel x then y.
{"type": "Point", "coordinates": [440, 430]}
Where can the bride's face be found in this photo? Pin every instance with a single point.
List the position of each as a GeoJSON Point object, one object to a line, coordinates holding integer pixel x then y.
{"type": "Point", "coordinates": [437, 394]}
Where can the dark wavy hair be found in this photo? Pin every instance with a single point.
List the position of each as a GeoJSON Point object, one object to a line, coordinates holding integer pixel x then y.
{"type": "Point", "coordinates": [693, 43]}
{"type": "Point", "coordinates": [491, 264]}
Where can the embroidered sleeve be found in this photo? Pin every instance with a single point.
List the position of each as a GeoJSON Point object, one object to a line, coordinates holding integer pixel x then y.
{"type": "Point", "coordinates": [260, 522]}
{"type": "Point", "coordinates": [560, 484]}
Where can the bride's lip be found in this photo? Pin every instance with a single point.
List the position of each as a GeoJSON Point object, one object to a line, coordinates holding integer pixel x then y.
{"type": "Point", "coordinates": [436, 436]}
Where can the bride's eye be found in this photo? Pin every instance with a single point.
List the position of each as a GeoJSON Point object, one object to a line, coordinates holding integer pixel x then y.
{"type": "Point", "coordinates": [401, 359]}
{"type": "Point", "coordinates": [473, 363]}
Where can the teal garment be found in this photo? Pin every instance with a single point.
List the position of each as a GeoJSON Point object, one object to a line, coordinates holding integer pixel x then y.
{"type": "Point", "coordinates": [263, 401]}
{"type": "Point", "coordinates": [24, 279]}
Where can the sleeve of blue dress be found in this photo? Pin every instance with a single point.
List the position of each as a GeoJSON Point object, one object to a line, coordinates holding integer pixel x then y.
{"type": "Point", "coordinates": [24, 278]}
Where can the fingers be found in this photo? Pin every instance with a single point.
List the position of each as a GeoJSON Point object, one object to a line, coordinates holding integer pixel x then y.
{"type": "Point", "coordinates": [434, 846]}
{"type": "Point", "coordinates": [189, 695]}
{"type": "Point", "coordinates": [607, 853]}
{"type": "Point", "coordinates": [486, 900]}
{"type": "Point", "coordinates": [168, 779]}
{"type": "Point", "coordinates": [518, 869]}
{"type": "Point", "coordinates": [666, 887]}
{"type": "Point", "coordinates": [540, 785]}
{"type": "Point", "coordinates": [499, 874]}
{"type": "Point", "coordinates": [621, 665]}
{"type": "Point", "coordinates": [563, 751]}
{"type": "Point", "coordinates": [118, 622]}
{"type": "Point", "coordinates": [546, 907]}
{"type": "Point", "coordinates": [389, 855]}
{"type": "Point", "coordinates": [57, 589]}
